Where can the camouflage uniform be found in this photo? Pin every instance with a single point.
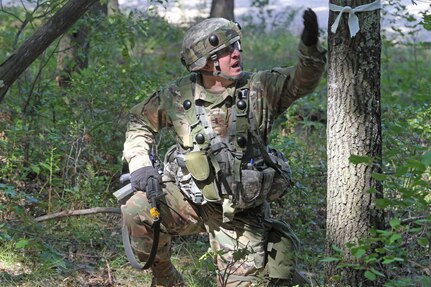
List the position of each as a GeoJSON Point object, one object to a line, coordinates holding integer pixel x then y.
{"type": "Point", "coordinates": [243, 237]}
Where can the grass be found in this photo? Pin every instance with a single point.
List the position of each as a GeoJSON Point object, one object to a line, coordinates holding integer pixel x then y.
{"type": "Point", "coordinates": [87, 251]}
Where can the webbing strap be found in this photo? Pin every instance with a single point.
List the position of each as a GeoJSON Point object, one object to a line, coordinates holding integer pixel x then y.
{"type": "Point", "coordinates": [216, 146]}
{"type": "Point", "coordinates": [129, 251]}
{"type": "Point", "coordinates": [255, 134]}
{"type": "Point", "coordinates": [241, 128]}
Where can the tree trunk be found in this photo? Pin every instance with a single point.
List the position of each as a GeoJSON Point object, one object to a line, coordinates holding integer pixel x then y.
{"type": "Point", "coordinates": [74, 47]}
{"type": "Point", "coordinates": [113, 7]}
{"type": "Point", "coordinates": [21, 58]}
{"type": "Point", "coordinates": [223, 9]}
{"type": "Point", "coordinates": [353, 128]}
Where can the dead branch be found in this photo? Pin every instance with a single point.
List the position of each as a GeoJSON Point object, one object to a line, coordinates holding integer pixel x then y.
{"type": "Point", "coordinates": [412, 219]}
{"type": "Point", "coordinates": [22, 57]}
{"type": "Point", "coordinates": [78, 212]}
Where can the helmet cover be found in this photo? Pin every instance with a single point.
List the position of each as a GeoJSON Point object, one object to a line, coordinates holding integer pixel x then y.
{"type": "Point", "coordinates": [207, 38]}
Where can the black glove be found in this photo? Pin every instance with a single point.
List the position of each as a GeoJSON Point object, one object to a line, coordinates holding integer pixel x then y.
{"type": "Point", "coordinates": [139, 177]}
{"type": "Point", "coordinates": [310, 33]}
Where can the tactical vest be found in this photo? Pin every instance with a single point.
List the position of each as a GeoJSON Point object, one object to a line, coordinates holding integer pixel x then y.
{"type": "Point", "coordinates": [239, 172]}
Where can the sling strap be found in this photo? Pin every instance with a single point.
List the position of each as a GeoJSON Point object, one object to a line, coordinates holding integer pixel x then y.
{"type": "Point", "coordinates": [129, 251]}
{"type": "Point", "coordinates": [153, 192]}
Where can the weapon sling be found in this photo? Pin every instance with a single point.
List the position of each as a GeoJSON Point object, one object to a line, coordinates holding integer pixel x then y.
{"type": "Point", "coordinates": [152, 191]}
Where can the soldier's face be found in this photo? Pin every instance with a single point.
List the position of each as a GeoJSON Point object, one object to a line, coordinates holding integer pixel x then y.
{"type": "Point", "coordinates": [230, 60]}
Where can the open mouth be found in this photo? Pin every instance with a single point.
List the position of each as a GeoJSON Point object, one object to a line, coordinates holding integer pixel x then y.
{"type": "Point", "coordinates": [236, 65]}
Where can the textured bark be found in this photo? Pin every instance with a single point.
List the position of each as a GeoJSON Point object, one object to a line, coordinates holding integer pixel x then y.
{"type": "Point", "coordinates": [353, 128]}
{"type": "Point", "coordinates": [20, 59]}
{"type": "Point", "coordinates": [223, 9]}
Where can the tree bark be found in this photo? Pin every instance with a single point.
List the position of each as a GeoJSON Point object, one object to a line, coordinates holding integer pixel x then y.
{"type": "Point", "coordinates": [21, 58]}
{"type": "Point", "coordinates": [223, 9]}
{"type": "Point", "coordinates": [353, 128]}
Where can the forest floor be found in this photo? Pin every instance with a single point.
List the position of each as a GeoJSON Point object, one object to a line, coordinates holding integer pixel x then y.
{"type": "Point", "coordinates": [87, 251]}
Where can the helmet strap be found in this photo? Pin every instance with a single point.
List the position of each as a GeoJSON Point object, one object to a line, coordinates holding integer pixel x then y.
{"type": "Point", "coordinates": [219, 73]}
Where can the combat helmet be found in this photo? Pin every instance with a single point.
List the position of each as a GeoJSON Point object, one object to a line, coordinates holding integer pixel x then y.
{"type": "Point", "coordinates": [203, 40]}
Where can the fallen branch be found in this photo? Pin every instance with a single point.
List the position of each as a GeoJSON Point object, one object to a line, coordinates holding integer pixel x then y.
{"type": "Point", "coordinates": [411, 219]}
{"type": "Point", "coordinates": [78, 212]}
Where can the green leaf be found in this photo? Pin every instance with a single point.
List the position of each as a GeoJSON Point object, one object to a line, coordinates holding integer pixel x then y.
{"type": "Point", "coordinates": [377, 272]}
{"type": "Point", "coordinates": [46, 166]}
{"type": "Point", "coordinates": [371, 258]}
{"type": "Point", "coordinates": [426, 159]}
{"type": "Point", "coordinates": [372, 190]}
{"type": "Point", "coordinates": [336, 248]}
{"type": "Point", "coordinates": [415, 164]}
{"type": "Point", "coordinates": [394, 237]}
{"type": "Point", "coordinates": [410, 18]}
{"type": "Point", "coordinates": [35, 168]}
{"type": "Point", "coordinates": [395, 223]}
{"type": "Point", "coordinates": [359, 253]}
{"type": "Point", "coordinates": [378, 176]}
{"type": "Point", "coordinates": [423, 242]}
{"type": "Point", "coordinates": [357, 159]}
{"type": "Point", "coordinates": [382, 203]}
{"type": "Point", "coordinates": [370, 275]}
{"type": "Point", "coordinates": [21, 244]}
{"type": "Point", "coordinates": [427, 22]}
{"type": "Point", "coordinates": [390, 259]}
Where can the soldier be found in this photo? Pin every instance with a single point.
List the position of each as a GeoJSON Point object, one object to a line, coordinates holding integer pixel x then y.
{"type": "Point", "coordinates": [221, 174]}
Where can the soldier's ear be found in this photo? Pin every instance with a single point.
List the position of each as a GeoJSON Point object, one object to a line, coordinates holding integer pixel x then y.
{"type": "Point", "coordinates": [208, 66]}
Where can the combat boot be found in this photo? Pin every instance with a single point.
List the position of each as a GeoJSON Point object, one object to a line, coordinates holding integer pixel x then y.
{"type": "Point", "coordinates": [166, 275]}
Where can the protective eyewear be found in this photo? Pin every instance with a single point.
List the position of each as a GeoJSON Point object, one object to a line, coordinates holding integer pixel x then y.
{"type": "Point", "coordinates": [229, 49]}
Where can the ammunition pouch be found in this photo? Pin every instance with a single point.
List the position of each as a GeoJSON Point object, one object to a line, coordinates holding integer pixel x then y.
{"type": "Point", "coordinates": [202, 173]}
{"type": "Point", "coordinates": [265, 183]}
{"type": "Point", "coordinates": [198, 165]}
{"type": "Point", "coordinates": [255, 187]}
{"type": "Point", "coordinates": [259, 183]}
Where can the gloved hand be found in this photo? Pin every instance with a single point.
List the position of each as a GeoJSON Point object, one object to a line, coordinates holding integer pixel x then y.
{"type": "Point", "coordinates": [139, 177]}
{"type": "Point", "coordinates": [310, 33]}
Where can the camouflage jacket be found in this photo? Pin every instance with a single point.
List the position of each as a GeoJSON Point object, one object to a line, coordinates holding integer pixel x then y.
{"type": "Point", "coordinates": [271, 93]}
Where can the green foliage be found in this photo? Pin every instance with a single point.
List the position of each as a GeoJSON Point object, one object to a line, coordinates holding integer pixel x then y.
{"type": "Point", "coordinates": [60, 149]}
{"type": "Point", "coordinates": [396, 254]}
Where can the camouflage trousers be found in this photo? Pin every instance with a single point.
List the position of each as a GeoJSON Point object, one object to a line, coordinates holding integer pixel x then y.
{"type": "Point", "coordinates": [239, 246]}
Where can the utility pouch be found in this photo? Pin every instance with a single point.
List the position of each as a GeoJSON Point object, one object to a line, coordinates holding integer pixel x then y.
{"type": "Point", "coordinates": [251, 185]}
{"type": "Point", "coordinates": [199, 167]}
{"type": "Point", "coordinates": [282, 181]}
{"type": "Point", "coordinates": [281, 246]}
{"type": "Point", "coordinates": [268, 181]}
{"type": "Point", "coordinates": [256, 184]}
{"type": "Point", "coordinates": [197, 164]}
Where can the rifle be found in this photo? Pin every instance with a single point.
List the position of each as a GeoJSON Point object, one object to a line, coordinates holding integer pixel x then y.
{"type": "Point", "coordinates": [126, 190]}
